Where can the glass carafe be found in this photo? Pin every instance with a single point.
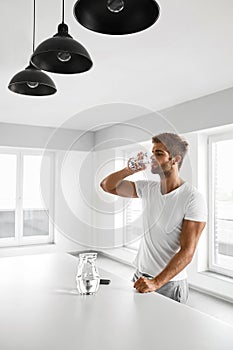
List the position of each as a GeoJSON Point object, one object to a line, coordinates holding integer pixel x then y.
{"type": "Point", "coordinates": [87, 277]}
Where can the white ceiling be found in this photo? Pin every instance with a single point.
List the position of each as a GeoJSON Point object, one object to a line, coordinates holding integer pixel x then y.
{"type": "Point", "coordinates": [186, 54]}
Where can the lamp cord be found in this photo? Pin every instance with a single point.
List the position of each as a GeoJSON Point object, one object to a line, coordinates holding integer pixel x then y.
{"type": "Point", "coordinates": [63, 10]}
{"type": "Point", "coordinates": [34, 26]}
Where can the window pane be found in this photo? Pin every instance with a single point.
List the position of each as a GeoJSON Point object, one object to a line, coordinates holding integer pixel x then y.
{"type": "Point", "coordinates": [7, 195]}
{"type": "Point", "coordinates": [223, 205]}
{"type": "Point", "coordinates": [35, 222]}
{"type": "Point", "coordinates": [134, 225]}
{"type": "Point", "coordinates": [133, 217]}
{"type": "Point", "coordinates": [7, 224]}
{"type": "Point", "coordinates": [35, 214]}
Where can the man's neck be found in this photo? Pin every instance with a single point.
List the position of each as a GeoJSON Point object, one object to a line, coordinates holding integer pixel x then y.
{"type": "Point", "coordinates": [170, 183]}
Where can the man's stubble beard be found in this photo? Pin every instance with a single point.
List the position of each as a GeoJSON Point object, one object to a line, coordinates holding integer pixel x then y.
{"type": "Point", "coordinates": [164, 170]}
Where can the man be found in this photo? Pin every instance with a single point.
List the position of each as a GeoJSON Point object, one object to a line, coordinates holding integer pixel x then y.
{"type": "Point", "coordinates": [174, 218]}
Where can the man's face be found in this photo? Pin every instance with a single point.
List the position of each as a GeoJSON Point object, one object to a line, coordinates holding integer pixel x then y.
{"type": "Point", "coordinates": [161, 161]}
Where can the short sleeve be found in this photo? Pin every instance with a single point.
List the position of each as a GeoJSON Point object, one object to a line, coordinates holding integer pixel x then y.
{"type": "Point", "coordinates": [140, 186]}
{"type": "Point", "coordinates": [196, 208]}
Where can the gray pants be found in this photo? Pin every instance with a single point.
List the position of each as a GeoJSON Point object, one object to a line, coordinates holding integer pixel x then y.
{"type": "Point", "coordinates": [176, 290]}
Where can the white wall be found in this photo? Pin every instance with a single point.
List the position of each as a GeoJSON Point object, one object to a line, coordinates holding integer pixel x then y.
{"type": "Point", "coordinates": [199, 114]}
{"type": "Point", "coordinates": [73, 196]}
{"type": "Point", "coordinates": [15, 135]}
{"type": "Point", "coordinates": [103, 203]}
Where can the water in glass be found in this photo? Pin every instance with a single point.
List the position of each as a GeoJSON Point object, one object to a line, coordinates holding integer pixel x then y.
{"type": "Point", "coordinates": [138, 161]}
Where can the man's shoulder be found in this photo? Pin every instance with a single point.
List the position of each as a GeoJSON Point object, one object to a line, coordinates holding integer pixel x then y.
{"type": "Point", "coordinates": [143, 187]}
{"type": "Point", "coordinates": [196, 207]}
{"type": "Point", "coordinates": [192, 194]}
{"type": "Point", "coordinates": [189, 188]}
{"type": "Point", "coordinates": [147, 183]}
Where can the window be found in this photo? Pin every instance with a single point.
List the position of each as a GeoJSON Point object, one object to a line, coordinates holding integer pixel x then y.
{"type": "Point", "coordinates": [132, 216]}
{"type": "Point", "coordinates": [24, 217]}
{"type": "Point", "coordinates": [7, 195]}
{"type": "Point", "coordinates": [133, 223]}
{"type": "Point", "coordinates": [221, 204]}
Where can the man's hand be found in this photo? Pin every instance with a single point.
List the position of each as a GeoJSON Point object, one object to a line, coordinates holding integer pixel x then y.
{"type": "Point", "coordinates": [146, 285]}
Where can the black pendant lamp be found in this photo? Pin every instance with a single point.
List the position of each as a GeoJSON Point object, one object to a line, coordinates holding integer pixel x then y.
{"type": "Point", "coordinates": [31, 81]}
{"type": "Point", "coordinates": [61, 53]}
{"type": "Point", "coordinates": [116, 17]}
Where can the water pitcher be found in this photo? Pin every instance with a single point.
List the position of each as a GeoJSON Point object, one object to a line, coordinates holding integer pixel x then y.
{"type": "Point", "coordinates": [87, 277]}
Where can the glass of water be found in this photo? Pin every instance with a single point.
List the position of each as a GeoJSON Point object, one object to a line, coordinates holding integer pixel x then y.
{"type": "Point", "coordinates": [87, 277]}
{"type": "Point", "coordinates": [138, 162]}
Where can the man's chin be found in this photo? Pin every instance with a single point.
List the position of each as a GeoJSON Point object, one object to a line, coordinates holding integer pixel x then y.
{"type": "Point", "coordinates": [154, 170]}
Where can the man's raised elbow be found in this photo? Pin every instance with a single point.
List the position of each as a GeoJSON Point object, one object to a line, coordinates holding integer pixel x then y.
{"type": "Point", "coordinates": [103, 185]}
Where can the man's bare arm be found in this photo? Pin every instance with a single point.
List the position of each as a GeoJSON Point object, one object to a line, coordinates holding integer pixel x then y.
{"type": "Point", "coordinates": [115, 184]}
{"type": "Point", "coordinates": [190, 234]}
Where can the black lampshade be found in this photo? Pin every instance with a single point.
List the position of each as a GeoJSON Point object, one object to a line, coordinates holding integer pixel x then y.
{"type": "Point", "coordinates": [116, 17]}
{"type": "Point", "coordinates": [31, 81]}
{"type": "Point", "coordinates": [61, 54]}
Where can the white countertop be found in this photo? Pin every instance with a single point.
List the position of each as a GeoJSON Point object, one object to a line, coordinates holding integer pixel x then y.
{"type": "Point", "coordinates": [41, 310]}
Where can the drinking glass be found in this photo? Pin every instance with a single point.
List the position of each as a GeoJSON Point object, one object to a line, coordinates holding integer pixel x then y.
{"type": "Point", "coordinates": [137, 162]}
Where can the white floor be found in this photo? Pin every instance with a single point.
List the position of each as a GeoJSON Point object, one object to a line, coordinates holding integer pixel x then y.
{"type": "Point", "coordinates": [217, 308]}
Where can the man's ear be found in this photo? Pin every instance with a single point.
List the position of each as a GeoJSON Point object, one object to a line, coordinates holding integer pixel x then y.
{"type": "Point", "coordinates": [177, 159]}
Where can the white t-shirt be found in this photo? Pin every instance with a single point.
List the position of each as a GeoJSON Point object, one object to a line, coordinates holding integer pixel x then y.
{"type": "Point", "coordinates": [162, 220]}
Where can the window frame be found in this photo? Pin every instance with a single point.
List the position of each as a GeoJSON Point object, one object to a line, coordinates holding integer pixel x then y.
{"type": "Point", "coordinates": [212, 266]}
{"type": "Point", "coordinates": [19, 239]}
